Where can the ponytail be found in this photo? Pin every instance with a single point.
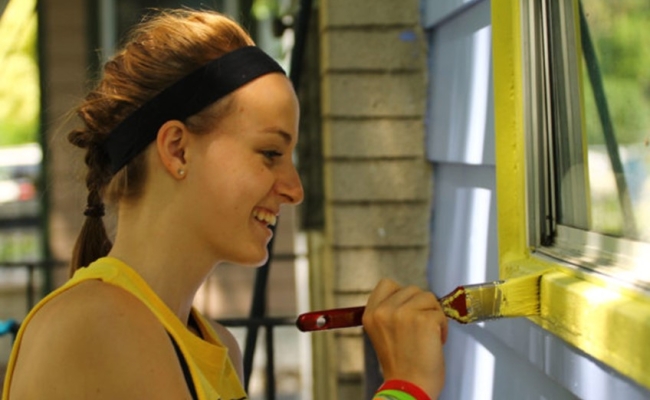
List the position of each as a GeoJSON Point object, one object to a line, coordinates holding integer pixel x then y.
{"type": "Point", "coordinates": [92, 242]}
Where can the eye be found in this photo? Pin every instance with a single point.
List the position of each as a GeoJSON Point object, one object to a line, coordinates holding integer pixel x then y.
{"type": "Point", "coordinates": [271, 154]}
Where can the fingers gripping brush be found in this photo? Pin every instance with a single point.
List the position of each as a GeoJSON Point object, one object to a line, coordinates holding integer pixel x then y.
{"type": "Point", "coordinates": [517, 297]}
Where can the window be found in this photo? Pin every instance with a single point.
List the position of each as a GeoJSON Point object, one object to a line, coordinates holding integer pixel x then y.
{"type": "Point", "coordinates": [574, 181]}
{"type": "Point", "coordinates": [591, 129]}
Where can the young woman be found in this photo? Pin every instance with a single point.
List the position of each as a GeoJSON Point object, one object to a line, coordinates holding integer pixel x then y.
{"type": "Point", "coordinates": [190, 132]}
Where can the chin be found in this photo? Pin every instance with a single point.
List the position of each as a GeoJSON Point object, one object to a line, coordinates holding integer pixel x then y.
{"type": "Point", "coordinates": [253, 262]}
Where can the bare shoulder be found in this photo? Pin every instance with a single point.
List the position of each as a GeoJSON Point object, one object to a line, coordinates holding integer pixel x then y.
{"type": "Point", "coordinates": [231, 343]}
{"type": "Point", "coordinates": [96, 341]}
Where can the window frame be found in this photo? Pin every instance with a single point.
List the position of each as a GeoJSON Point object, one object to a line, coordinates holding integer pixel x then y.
{"type": "Point", "coordinates": [554, 150]}
{"type": "Point", "coordinates": [585, 308]}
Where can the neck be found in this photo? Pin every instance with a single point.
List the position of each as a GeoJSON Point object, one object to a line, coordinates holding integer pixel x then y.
{"type": "Point", "coordinates": [155, 248]}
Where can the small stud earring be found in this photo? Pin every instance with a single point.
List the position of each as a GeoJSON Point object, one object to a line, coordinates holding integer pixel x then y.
{"type": "Point", "coordinates": [181, 172]}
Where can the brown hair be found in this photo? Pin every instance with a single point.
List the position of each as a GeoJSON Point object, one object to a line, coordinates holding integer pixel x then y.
{"type": "Point", "coordinates": [159, 51]}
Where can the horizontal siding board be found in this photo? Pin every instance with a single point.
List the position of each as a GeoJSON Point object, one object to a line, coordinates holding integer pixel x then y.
{"type": "Point", "coordinates": [356, 95]}
{"type": "Point", "coordinates": [460, 117]}
{"type": "Point", "coordinates": [384, 180]}
{"type": "Point", "coordinates": [373, 138]}
{"type": "Point", "coordinates": [389, 49]}
{"type": "Point", "coordinates": [385, 224]}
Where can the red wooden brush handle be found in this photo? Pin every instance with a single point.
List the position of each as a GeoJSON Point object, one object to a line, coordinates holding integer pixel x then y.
{"type": "Point", "coordinates": [330, 319]}
{"type": "Point", "coordinates": [352, 316]}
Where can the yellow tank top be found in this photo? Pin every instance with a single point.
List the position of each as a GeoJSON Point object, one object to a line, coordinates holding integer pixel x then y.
{"type": "Point", "coordinates": [213, 374]}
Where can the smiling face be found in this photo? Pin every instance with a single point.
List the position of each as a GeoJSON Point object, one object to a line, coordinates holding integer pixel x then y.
{"type": "Point", "coordinates": [242, 171]}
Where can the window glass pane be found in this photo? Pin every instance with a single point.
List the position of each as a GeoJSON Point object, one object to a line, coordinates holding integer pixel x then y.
{"type": "Point", "coordinates": [616, 115]}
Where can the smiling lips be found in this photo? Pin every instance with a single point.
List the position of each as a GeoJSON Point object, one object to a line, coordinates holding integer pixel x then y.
{"type": "Point", "coordinates": [265, 216]}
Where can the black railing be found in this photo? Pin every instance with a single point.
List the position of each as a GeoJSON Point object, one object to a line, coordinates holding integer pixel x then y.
{"type": "Point", "coordinates": [11, 326]}
{"type": "Point", "coordinates": [253, 324]}
{"type": "Point", "coordinates": [257, 318]}
{"type": "Point", "coordinates": [46, 266]}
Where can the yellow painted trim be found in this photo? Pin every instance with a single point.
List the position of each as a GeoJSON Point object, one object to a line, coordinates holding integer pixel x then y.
{"type": "Point", "coordinates": [509, 123]}
{"type": "Point", "coordinates": [610, 323]}
{"type": "Point", "coordinates": [602, 321]}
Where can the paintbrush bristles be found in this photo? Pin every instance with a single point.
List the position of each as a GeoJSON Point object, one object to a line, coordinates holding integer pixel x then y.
{"type": "Point", "coordinates": [520, 296]}
{"type": "Point", "coordinates": [517, 297]}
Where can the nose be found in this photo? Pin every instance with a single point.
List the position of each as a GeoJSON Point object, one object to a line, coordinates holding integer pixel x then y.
{"type": "Point", "coordinates": [290, 188]}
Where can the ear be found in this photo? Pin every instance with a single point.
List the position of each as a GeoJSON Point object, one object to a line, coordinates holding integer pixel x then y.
{"type": "Point", "coordinates": [171, 143]}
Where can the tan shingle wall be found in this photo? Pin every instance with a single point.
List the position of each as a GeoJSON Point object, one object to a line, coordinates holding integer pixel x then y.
{"type": "Point", "coordinates": [377, 179]}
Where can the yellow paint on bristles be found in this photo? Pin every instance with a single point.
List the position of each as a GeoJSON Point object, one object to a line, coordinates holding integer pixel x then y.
{"type": "Point", "coordinates": [517, 297]}
{"type": "Point", "coordinates": [520, 296]}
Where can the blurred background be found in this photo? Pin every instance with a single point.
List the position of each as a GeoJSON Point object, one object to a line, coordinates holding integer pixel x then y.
{"type": "Point", "coordinates": [397, 157]}
{"type": "Point", "coordinates": [50, 55]}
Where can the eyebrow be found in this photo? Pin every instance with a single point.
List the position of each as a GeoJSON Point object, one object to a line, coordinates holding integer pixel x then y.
{"type": "Point", "coordinates": [288, 138]}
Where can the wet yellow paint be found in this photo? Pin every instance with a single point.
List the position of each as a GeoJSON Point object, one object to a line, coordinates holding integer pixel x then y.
{"type": "Point", "coordinates": [521, 296]}
{"type": "Point", "coordinates": [509, 123]}
{"type": "Point", "coordinates": [513, 298]}
{"type": "Point", "coordinates": [607, 322]}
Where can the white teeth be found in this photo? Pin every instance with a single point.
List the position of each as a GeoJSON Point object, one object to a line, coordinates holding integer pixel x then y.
{"type": "Point", "coordinates": [264, 216]}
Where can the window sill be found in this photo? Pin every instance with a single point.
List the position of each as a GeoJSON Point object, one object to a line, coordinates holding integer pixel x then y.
{"type": "Point", "coordinates": [610, 323]}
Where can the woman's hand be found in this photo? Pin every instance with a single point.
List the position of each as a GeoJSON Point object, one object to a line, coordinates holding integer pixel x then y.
{"type": "Point", "coordinates": [407, 329]}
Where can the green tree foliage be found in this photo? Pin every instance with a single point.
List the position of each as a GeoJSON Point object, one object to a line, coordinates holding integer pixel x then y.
{"type": "Point", "coordinates": [619, 33]}
{"type": "Point", "coordinates": [19, 77]}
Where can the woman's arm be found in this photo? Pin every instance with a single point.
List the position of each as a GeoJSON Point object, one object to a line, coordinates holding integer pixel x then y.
{"type": "Point", "coordinates": [96, 341]}
{"type": "Point", "coordinates": [407, 328]}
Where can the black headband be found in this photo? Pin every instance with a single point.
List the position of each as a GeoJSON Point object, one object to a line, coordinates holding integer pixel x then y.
{"type": "Point", "coordinates": [185, 98]}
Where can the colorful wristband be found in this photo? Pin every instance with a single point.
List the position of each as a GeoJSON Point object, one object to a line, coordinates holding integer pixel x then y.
{"type": "Point", "coordinates": [402, 390]}
{"type": "Point", "coordinates": [392, 395]}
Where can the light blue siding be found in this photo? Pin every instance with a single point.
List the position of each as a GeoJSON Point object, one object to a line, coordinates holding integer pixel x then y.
{"type": "Point", "coordinates": [504, 359]}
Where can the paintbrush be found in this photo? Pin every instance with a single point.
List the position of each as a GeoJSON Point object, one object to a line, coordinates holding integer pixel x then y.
{"type": "Point", "coordinates": [517, 297]}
